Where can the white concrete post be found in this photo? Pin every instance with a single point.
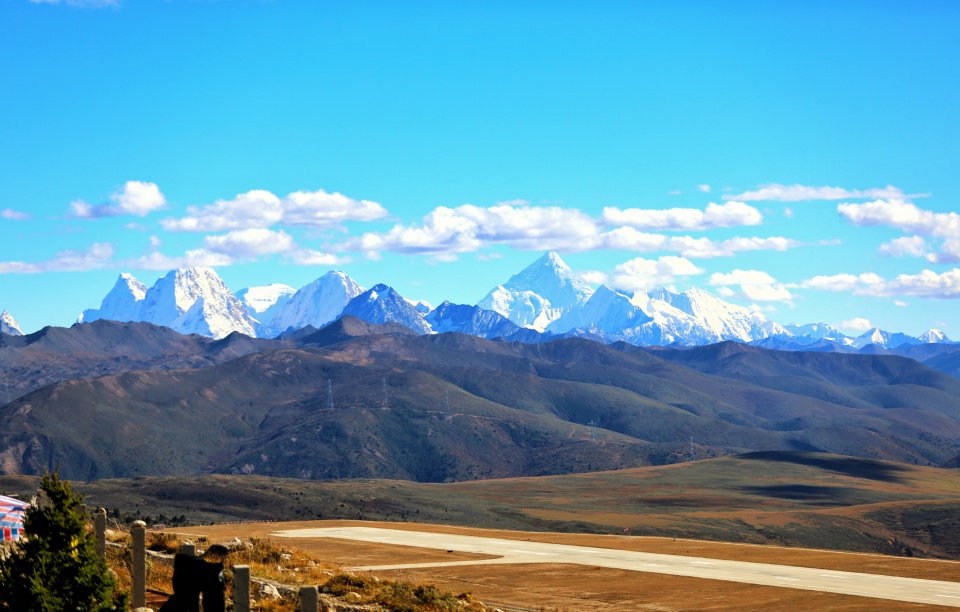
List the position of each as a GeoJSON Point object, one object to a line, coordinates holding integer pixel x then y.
{"type": "Point", "coordinates": [139, 570]}
{"type": "Point", "coordinates": [241, 588]}
{"type": "Point", "coordinates": [100, 527]}
{"type": "Point", "coordinates": [309, 599]}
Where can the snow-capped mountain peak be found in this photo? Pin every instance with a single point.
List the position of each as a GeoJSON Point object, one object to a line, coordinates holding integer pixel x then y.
{"type": "Point", "coordinates": [263, 303]}
{"type": "Point", "coordinates": [315, 304]}
{"type": "Point", "coordinates": [8, 325]}
{"type": "Point", "coordinates": [382, 304]}
{"type": "Point", "coordinates": [539, 294]}
{"type": "Point", "coordinates": [934, 336]}
{"type": "Point", "coordinates": [122, 303]}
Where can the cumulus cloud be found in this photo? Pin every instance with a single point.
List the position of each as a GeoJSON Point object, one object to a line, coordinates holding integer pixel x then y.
{"type": "Point", "coordinates": [14, 215]}
{"type": "Point", "coordinates": [755, 285]}
{"type": "Point", "coordinates": [903, 215]}
{"type": "Point", "coordinates": [704, 188]}
{"type": "Point", "coordinates": [467, 228]}
{"type": "Point", "coordinates": [742, 277]}
{"type": "Point", "coordinates": [912, 246]}
{"type": "Point", "coordinates": [593, 277]}
{"type": "Point", "coordinates": [856, 324]}
{"type": "Point", "coordinates": [96, 257]}
{"type": "Point", "coordinates": [730, 214]}
{"type": "Point", "coordinates": [309, 257]}
{"type": "Point", "coordinates": [645, 274]}
{"type": "Point", "coordinates": [630, 239]}
{"type": "Point", "coordinates": [250, 243]}
{"type": "Point", "coordinates": [137, 198]}
{"type": "Point", "coordinates": [261, 209]}
{"type": "Point", "coordinates": [949, 252]}
{"type": "Point", "coordinates": [799, 193]}
{"type": "Point", "coordinates": [926, 284]}
{"type": "Point", "coordinates": [191, 259]}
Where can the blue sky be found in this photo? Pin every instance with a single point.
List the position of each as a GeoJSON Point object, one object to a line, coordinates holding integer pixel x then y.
{"type": "Point", "coordinates": [801, 158]}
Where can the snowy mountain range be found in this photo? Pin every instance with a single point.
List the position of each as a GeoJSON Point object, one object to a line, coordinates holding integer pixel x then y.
{"type": "Point", "coordinates": [544, 301]}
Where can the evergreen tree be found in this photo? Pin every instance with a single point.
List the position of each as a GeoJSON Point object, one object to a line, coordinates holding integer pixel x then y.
{"type": "Point", "coordinates": [55, 567]}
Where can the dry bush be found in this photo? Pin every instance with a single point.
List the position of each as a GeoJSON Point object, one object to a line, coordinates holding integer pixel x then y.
{"type": "Point", "coordinates": [163, 542]}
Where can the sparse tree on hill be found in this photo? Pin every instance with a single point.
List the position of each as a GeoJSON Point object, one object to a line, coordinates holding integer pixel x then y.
{"type": "Point", "coordinates": [55, 567]}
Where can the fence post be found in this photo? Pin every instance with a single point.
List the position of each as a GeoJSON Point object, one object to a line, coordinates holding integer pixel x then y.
{"type": "Point", "coordinates": [188, 549]}
{"type": "Point", "coordinates": [309, 599]}
{"type": "Point", "coordinates": [100, 526]}
{"type": "Point", "coordinates": [139, 571]}
{"type": "Point", "coordinates": [241, 588]}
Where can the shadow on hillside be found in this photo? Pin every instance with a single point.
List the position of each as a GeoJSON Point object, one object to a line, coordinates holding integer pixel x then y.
{"type": "Point", "coordinates": [870, 469]}
{"type": "Point", "coordinates": [823, 496]}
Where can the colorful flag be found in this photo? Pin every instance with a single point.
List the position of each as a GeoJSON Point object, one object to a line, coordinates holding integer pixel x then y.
{"type": "Point", "coordinates": [11, 517]}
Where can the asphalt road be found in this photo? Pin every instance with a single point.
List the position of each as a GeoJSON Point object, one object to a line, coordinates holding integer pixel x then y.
{"type": "Point", "coordinates": [520, 551]}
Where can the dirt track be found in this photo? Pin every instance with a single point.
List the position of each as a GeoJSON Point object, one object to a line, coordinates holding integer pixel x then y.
{"type": "Point", "coordinates": [569, 587]}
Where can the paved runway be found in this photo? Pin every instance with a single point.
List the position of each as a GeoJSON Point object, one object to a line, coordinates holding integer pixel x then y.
{"type": "Point", "coordinates": [520, 551]}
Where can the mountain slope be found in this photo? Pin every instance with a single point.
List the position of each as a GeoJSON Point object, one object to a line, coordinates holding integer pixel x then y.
{"type": "Point", "coordinates": [461, 407]}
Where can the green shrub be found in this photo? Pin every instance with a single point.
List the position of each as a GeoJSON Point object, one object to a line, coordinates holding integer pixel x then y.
{"type": "Point", "coordinates": [55, 567]}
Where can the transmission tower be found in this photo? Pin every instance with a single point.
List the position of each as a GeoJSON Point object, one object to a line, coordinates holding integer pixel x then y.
{"type": "Point", "coordinates": [329, 394]}
{"type": "Point", "coordinates": [446, 402]}
{"type": "Point", "coordinates": [693, 457]}
{"type": "Point", "coordinates": [6, 388]}
{"type": "Point", "coordinates": [593, 433]}
{"type": "Point", "coordinates": [385, 393]}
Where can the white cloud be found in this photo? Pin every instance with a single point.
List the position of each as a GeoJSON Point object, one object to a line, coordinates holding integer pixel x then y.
{"type": "Point", "coordinates": [766, 293]}
{"type": "Point", "coordinates": [242, 244]}
{"type": "Point", "coordinates": [799, 193]}
{"type": "Point", "coordinates": [191, 259]}
{"type": "Point", "coordinates": [309, 257]}
{"type": "Point", "coordinates": [674, 192]}
{"type": "Point", "coordinates": [902, 215]}
{"type": "Point", "coordinates": [726, 292]}
{"type": "Point", "coordinates": [926, 284]}
{"type": "Point", "coordinates": [788, 213]}
{"type": "Point", "coordinates": [630, 239]}
{"type": "Point", "coordinates": [949, 252]}
{"type": "Point", "coordinates": [900, 303]}
{"type": "Point", "coordinates": [137, 198]}
{"type": "Point", "coordinates": [155, 242]}
{"type": "Point", "coordinates": [14, 215]}
{"type": "Point", "coordinates": [913, 246]}
{"type": "Point", "coordinates": [645, 274]}
{"type": "Point", "coordinates": [742, 277]}
{"type": "Point", "coordinates": [730, 214]}
{"type": "Point", "coordinates": [96, 257]}
{"type": "Point", "coordinates": [754, 285]}
{"type": "Point", "coordinates": [261, 209]}
{"type": "Point", "coordinates": [593, 277]}
{"type": "Point", "coordinates": [856, 324]}
{"type": "Point", "coordinates": [467, 228]}
{"type": "Point", "coordinates": [704, 188]}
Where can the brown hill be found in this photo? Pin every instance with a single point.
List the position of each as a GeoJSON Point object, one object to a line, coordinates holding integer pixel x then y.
{"type": "Point", "coordinates": [460, 407]}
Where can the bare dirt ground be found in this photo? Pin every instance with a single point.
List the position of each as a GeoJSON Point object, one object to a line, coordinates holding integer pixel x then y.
{"type": "Point", "coordinates": [567, 587]}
